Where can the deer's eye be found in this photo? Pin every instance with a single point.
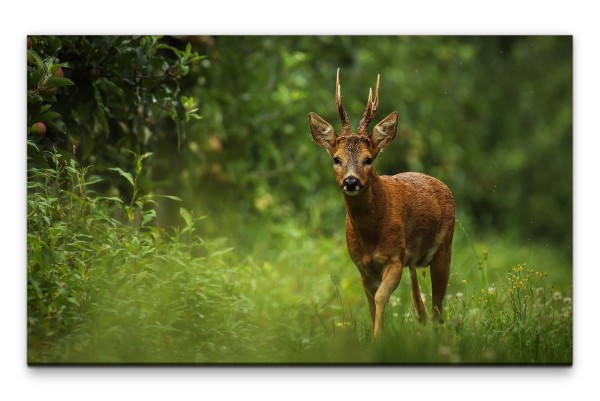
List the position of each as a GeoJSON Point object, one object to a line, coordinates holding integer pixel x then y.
{"type": "Point", "coordinates": [337, 161]}
{"type": "Point", "coordinates": [368, 161]}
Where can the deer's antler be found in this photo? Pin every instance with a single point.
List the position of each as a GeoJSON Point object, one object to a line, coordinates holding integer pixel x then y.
{"type": "Point", "coordinates": [370, 110]}
{"type": "Point", "coordinates": [340, 107]}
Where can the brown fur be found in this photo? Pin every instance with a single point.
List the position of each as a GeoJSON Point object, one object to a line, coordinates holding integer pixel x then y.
{"type": "Point", "coordinates": [391, 221]}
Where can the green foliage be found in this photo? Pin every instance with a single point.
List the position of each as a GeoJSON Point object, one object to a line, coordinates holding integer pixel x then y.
{"type": "Point", "coordinates": [95, 281]}
{"type": "Point", "coordinates": [115, 94]}
{"type": "Point", "coordinates": [62, 216]}
{"type": "Point", "coordinates": [246, 260]}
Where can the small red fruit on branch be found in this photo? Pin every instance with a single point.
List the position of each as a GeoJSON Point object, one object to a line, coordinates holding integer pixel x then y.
{"type": "Point", "coordinates": [38, 129]}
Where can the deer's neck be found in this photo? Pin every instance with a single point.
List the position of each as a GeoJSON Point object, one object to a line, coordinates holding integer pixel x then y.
{"type": "Point", "coordinates": [365, 209]}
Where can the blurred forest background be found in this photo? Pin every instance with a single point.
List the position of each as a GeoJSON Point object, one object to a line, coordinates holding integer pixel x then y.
{"type": "Point", "coordinates": [489, 116]}
{"type": "Point", "coordinates": [225, 118]}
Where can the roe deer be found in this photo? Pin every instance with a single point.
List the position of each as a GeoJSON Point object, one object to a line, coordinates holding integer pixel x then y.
{"type": "Point", "coordinates": [391, 221]}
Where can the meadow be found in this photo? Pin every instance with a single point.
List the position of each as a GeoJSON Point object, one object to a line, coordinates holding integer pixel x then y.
{"type": "Point", "coordinates": [104, 290]}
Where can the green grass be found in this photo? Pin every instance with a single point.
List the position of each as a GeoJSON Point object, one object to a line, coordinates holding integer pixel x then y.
{"type": "Point", "coordinates": [105, 286]}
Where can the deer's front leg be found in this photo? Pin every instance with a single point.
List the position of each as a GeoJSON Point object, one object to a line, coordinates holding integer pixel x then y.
{"type": "Point", "coordinates": [370, 288]}
{"type": "Point", "coordinates": [392, 273]}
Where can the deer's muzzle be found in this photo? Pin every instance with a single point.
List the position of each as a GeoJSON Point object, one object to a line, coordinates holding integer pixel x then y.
{"type": "Point", "coordinates": [351, 185]}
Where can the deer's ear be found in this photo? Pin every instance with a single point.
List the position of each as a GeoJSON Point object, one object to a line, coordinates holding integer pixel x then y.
{"type": "Point", "coordinates": [322, 132]}
{"type": "Point", "coordinates": [384, 132]}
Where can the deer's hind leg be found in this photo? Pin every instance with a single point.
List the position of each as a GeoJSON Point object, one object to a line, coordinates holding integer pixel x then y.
{"type": "Point", "coordinates": [440, 273]}
{"type": "Point", "coordinates": [417, 299]}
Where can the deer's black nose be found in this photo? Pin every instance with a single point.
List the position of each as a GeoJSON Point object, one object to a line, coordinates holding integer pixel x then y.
{"type": "Point", "coordinates": [351, 184]}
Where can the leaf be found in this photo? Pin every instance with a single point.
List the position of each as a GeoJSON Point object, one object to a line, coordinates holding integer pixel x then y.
{"type": "Point", "coordinates": [31, 143]}
{"type": "Point", "coordinates": [59, 126]}
{"type": "Point", "coordinates": [34, 98]}
{"type": "Point", "coordinates": [110, 198]}
{"type": "Point", "coordinates": [125, 174]}
{"type": "Point", "coordinates": [38, 60]}
{"type": "Point", "coordinates": [49, 116]}
{"type": "Point", "coordinates": [148, 216]}
{"type": "Point", "coordinates": [139, 161]}
{"type": "Point", "coordinates": [221, 252]}
{"type": "Point", "coordinates": [167, 196]}
{"type": "Point", "coordinates": [187, 102]}
{"type": "Point", "coordinates": [57, 82]}
{"type": "Point", "coordinates": [177, 52]}
{"type": "Point", "coordinates": [142, 200]}
{"type": "Point", "coordinates": [130, 213]}
{"type": "Point", "coordinates": [55, 68]}
{"type": "Point", "coordinates": [36, 77]}
{"type": "Point", "coordinates": [55, 44]}
{"type": "Point", "coordinates": [93, 181]}
{"type": "Point", "coordinates": [187, 216]}
{"type": "Point", "coordinates": [196, 58]}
